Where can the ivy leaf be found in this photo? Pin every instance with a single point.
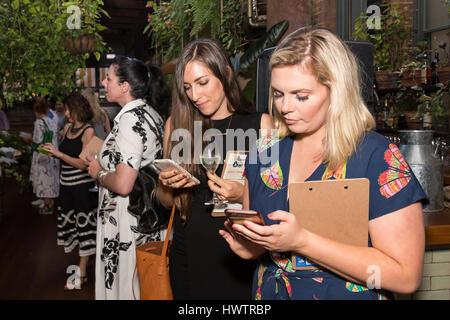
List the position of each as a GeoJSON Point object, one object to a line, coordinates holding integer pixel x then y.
{"type": "Point", "coordinates": [15, 4]}
{"type": "Point", "coordinates": [256, 48]}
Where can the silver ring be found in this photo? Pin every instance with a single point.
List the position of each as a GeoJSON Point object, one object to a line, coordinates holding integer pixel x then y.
{"type": "Point", "coordinates": [169, 182]}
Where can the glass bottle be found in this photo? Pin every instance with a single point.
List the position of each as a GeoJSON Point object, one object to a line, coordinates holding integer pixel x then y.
{"type": "Point", "coordinates": [434, 74]}
{"type": "Point", "coordinates": [427, 118]}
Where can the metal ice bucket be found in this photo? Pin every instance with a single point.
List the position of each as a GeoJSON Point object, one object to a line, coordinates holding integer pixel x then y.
{"type": "Point", "coordinates": [416, 146]}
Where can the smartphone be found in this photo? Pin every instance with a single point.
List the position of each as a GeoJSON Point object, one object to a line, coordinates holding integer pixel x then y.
{"type": "Point", "coordinates": [239, 216]}
{"type": "Point", "coordinates": [164, 164]}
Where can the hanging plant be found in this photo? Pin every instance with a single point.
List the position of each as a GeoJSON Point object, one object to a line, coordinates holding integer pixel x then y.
{"type": "Point", "coordinates": [33, 59]}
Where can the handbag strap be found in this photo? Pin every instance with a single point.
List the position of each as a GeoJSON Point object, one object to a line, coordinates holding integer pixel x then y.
{"type": "Point", "coordinates": [169, 228]}
{"type": "Point", "coordinates": [45, 125]}
{"type": "Point", "coordinates": [165, 247]}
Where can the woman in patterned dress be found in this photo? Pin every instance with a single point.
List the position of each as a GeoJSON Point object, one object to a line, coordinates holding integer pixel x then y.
{"type": "Point", "coordinates": [134, 142]}
{"type": "Point", "coordinates": [44, 171]}
{"type": "Point", "coordinates": [77, 213]}
{"type": "Point", "coordinates": [325, 133]}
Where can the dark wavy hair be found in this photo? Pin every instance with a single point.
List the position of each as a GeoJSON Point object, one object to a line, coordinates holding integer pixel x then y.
{"type": "Point", "coordinates": [79, 107]}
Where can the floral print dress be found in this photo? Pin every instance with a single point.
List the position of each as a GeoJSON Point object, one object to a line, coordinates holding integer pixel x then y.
{"type": "Point", "coordinates": [135, 140]}
{"type": "Point", "coordinates": [392, 186]}
{"type": "Point", "coordinates": [44, 171]}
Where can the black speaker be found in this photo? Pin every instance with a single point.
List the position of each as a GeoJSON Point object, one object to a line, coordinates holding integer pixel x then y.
{"type": "Point", "coordinates": [363, 52]}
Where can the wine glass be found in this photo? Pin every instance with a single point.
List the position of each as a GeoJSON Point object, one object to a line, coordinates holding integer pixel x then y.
{"type": "Point", "coordinates": [94, 188]}
{"type": "Point", "coordinates": [210, 160]}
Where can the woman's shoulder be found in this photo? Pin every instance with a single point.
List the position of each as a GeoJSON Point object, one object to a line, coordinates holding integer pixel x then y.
{"type": "Point", "coordinates": [372, 141]}
{"type": "Point", "coordinates": [265, 144]}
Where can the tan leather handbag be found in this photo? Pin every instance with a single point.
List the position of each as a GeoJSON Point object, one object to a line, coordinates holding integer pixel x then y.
{"type": "Point", "coordinates": [152, 264]}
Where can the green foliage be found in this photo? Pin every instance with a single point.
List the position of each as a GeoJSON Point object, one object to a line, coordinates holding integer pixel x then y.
{"type": "Point", "coordinates": [434, 102]}
{"type": "Point", "coordinates": [231, 29]}
{"type": "Point", "coordinates": [245, 64]}
{"type": "Point", "coordinates": [32, 56]}
{"type": "Point", "coordinates": [390, 40]}
{"type": "Point", "coordinates": [168, 27]}
{"type": "Point", "coordinates": [205, 12]}
{"type": "Point", "coordinates": [23, 158]}
{"type": "Point", "coordinates": [256, 48]}
{"type": "Point", "coordinates": [172, 24]}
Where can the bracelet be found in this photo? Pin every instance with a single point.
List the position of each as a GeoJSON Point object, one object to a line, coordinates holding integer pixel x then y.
{"type": "Point", "coordinates": [101, 177]}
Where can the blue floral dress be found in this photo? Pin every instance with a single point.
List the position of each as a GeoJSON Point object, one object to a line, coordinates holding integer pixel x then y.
{"type": "Point", "coordinates": [392, 187]}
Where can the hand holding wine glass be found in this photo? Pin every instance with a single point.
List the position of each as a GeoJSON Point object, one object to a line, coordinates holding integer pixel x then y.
{"type": "Point", "coordinates": [210, 160]}
{"type": "Point", "coordinates": [94, 188]}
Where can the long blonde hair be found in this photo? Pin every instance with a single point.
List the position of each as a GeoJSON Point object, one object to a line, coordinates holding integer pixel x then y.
{"type": "Point", "coordinates": [335, 66]}
{"type": "Point", "coordinates": [99, 114]}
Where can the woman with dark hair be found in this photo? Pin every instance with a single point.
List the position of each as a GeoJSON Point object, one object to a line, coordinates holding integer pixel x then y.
{"type": "Point", "coordinates": [77, 220]}
{"type": "Point", "coordinates": [206, 93]}
{"type": "Point", "coordinates": [134, 142]}
{"type": "Point", "coordinates": [160, 98]}
{"type": "Point", "coordinates": [44, 171]}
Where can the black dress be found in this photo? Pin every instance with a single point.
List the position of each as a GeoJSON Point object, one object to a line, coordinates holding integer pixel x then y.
{"type": "Point", "coordinates": [77, 214]}
{"type": "Point", "coordinates": [202, 266]}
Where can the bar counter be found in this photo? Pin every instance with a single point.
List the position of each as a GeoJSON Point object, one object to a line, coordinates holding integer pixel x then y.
{"type": "Point", "coordinates": [437, 229]}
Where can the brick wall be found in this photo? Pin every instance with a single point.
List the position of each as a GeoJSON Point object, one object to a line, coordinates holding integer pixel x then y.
{"type": "Point", "coordinates": [298, 13]}
{"type": "Point", "coordinates": [435, 278]}
{"type": "Point", "coordinates": [410, 4]}
{"type": "Point", "coordinates": [325, 14]}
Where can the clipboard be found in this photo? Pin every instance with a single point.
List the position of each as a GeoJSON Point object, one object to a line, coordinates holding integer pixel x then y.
{"type": "Point", "coordinates": [233, 169]}
{"type": "Point", "coordinates": [335, 209]}
{"type": "Point", "coordinates": [93, 147]}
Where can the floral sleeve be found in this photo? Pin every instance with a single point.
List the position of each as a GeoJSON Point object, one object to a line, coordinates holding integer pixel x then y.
{"type": "Point", "coordinates": [393, 184]}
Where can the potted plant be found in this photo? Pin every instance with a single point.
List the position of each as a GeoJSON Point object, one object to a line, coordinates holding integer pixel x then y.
{"type": "Point", "coordinates": [410, 71]}
{"type": "Point", "coordinates": [33, 60]}
{"type": "Point", "coordinates": [83, 26]}
{"type": "Point", "coordinates": [389, 41]}
{"type": "Point", "coordinates": [435, 105]}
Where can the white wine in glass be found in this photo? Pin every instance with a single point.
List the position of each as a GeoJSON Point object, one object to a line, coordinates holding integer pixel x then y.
{"type": "Point", "coordinates": [94, 188]}
{"type": "Point", "coordinates": [211, 161]}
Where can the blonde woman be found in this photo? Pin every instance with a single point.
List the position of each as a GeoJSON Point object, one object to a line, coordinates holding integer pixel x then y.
{"type": "Point", "coordinates": [100, 121]}
{"type": "Point", "coordinates": [326, 133]}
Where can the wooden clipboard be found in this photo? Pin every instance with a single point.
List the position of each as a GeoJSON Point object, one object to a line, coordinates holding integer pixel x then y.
{"type": "Point", "coordinates": [335, 209]}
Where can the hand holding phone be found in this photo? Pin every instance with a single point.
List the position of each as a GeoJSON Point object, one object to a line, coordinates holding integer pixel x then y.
{"type": "Point", "coordinates": [239, 216]}
{"type": "Point", "coordinates": [167, 164]}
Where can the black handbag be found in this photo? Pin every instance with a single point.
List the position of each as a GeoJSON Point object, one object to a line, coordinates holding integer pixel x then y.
{"type": "Point", "coordinates": [151, 215]}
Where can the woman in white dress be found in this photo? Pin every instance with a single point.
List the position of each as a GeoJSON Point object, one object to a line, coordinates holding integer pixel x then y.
{"type": "Point", "coordinates": [134, 142]}
{"type": "Point", "coordinates": [44, 171]}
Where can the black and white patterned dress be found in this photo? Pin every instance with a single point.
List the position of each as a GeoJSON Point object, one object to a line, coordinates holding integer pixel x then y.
{"type": "Point", "coordinates": [77, 219]}
{"type": "Point", "coordinates": [134, 142]}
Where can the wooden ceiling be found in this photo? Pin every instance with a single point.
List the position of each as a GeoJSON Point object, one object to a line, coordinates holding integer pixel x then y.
{"type": "Point", "coordinates": [124, 34]}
